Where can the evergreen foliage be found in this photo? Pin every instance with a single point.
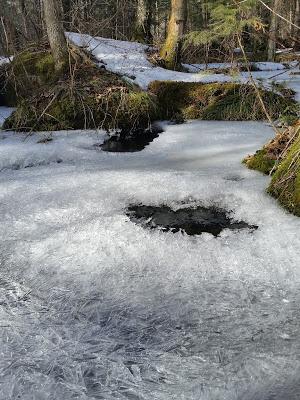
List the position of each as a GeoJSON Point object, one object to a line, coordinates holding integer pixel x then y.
{"type": "Point", "coordinates": [226, 21]}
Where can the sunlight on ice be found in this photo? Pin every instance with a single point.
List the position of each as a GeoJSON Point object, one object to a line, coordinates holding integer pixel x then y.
{"type": "Point", "coordinates": [96, 307]}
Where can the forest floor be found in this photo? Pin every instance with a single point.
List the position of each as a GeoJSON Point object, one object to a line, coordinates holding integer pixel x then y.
{"type": "Point", "coordinates": [129, 59]}
{"type": "Point", "coordinates": [96, 306]}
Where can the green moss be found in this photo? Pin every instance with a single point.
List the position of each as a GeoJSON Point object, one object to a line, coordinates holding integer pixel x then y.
{"type": "Point", "coordinates": [91, 98]}
{"type": "Point", "coordinates": [260, 161]}
{"type": "Point", "coordinates": [24, 63]}
{"type": "Point", "coordinates": [169, 96]}
{"type": "Point", "coordinates": [139, 109]}
{"type": "Point", "coordinates": [26, 74]}
{"type": "Point", "coordinates": [170, 51]}
{"type": "Point", "coordinates": [21, 118]}
{"type": "Point", "coordinates": [94, 98]}
{"type": "Point", "coordinates": [39, 64]}
{"type": "Point", "coordinates": [285, 184]}
{"type": "Point", "coordinates": [45, 67]}
{"type": "Point", "coordinates": [216, 101]}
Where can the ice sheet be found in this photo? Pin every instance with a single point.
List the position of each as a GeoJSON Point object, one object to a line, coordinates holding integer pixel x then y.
{"type": "Point", "coordinates": [93, 306]}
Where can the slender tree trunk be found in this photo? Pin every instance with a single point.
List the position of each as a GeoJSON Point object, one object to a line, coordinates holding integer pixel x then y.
{"type": "Point", "coordinates": [142, 32]}
{"type": "Point", "coordinates": [55, 31]}
{"type": "Point", "coordinates": [273, 30]}
{"type": "Point", "coordinates": [297, 13]}
{"type": "Point", "coordinates": [170, 51]}
{"type": "Point", "coordinates": [296, 32]}
{"type": "Point", "coordinates": [10, 34]}
{"type": "Point", "coordinates": [67, 10]}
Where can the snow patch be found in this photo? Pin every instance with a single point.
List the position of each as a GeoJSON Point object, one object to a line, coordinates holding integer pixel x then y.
{"type": "Point", "coordinates": [5, 112]}
{"type": "Point", "coordinates": [129, 60]}
{"type": "Point", "coordinates": [261, 66]}
{"type": "Point", "coordinates": [5, 60]}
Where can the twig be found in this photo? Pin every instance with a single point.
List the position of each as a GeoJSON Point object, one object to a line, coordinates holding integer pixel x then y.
{"type": "Point", "coordinates": [255, 85]}
{"type": "Point", "coordinates": [278, 15]}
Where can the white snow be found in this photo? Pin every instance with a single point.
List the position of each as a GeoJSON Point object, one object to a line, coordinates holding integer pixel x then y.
{"type": "Point", "coordinates": [5, 60]}
{"type": "Point", "coordinates": [93, 306]}
{"type": "Point", "coordinates": [269, 66]}
{"type": "Point", "coordinates": [5, 113]}
{"type": "Point", "coordinates": [129, 60]}
{"type": "Point", "coordinates": [261, 66]}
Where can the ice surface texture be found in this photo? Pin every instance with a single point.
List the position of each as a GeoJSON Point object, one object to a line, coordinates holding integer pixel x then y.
{"type": "Point", "coordinates": [93, 306]}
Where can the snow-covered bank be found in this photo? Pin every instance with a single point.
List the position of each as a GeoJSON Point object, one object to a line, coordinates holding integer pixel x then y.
{"type": "Point", "coordinates": [93, 306]}
{"type": "Point", "coordinates": [129, 59]}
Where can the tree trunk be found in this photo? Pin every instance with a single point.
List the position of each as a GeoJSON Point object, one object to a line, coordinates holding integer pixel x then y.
{"type": "Point", "coordinates": [55, 31]}
{"type": "Point", "coordinates": [273, 30]}
{"type": "Point", "coordinates": [297, 13]}
{"type": "Point", "coordinates": [170, 51]}
{"type": "Point", "coordinates": [142, 32]}
{"type": "Point", "coordinates": [296, 31]}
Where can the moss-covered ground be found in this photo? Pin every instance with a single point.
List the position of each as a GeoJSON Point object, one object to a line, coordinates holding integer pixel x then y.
{"type": "Point", "coordinates": [285, 184]}
{"type": "Point", "coordinates": [282, 157]}
{"type": "Point", "coordinates": [261, 161]}
{"type": "Point", "coordinates": [85, 96]}
{"type": "Point", "coordinates": [216, 101]}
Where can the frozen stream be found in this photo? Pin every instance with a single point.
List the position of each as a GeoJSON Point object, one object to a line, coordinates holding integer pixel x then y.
{"type": "Point", "coordinates": [93, 306]}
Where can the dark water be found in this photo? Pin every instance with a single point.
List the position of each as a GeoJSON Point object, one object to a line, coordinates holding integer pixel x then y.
{"type": "Point", "coordinates": [193, 221]}
{"type": "Point", "coordinates": [131, 141]}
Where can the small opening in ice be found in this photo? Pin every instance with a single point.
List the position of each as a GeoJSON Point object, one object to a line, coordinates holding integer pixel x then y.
{"type": "Point", "coordinates": [191, 220]}
{"type": "Point", "coordinates": [131, 141]}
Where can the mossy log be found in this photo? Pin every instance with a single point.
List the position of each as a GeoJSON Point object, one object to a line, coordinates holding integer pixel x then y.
{"type": "Point", "coordinates": [216, 101]}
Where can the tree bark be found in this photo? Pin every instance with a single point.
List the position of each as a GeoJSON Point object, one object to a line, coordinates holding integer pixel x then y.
{"type": "Point", "coordinates": [296, 31]}
{"type": "Point", "coordinates": [297, 13]}
{"type": "Point", "coordinates": [170, 51]}
{"type": "Point", "coordinates": [273, 30]}
{"type": "Point", "coordinates": [53, 20]}
{"type": "Point", "coordinates": [142, 31]}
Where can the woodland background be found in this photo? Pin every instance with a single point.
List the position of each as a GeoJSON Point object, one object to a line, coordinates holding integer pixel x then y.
{"type": "Point", "coordinates": [22, 23]}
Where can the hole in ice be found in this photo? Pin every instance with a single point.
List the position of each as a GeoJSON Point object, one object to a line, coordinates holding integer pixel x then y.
{"type": "Point", "coordinates": [131, 141]}
{"type": "Point", "coordinates": [192, 220]}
